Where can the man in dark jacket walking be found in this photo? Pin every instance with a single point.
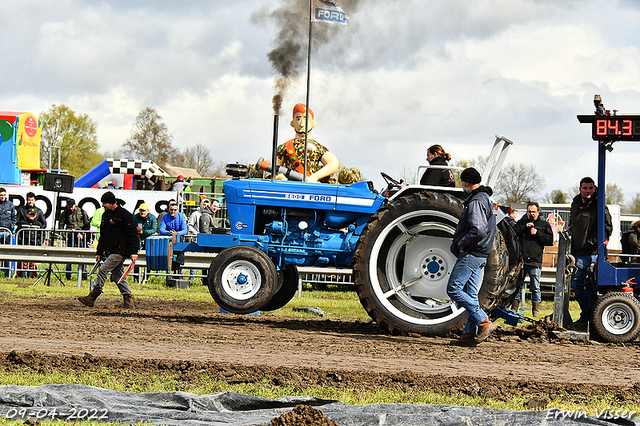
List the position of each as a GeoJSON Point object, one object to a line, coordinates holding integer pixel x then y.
{"type": "Point", "coordinates": [534, 234]}
{"type": "Point", "coordinates": [118, 240]}
{"type": "Point", "coordinates": [472, 243]}
{"type": "Point", "coordinates": [583, 226]}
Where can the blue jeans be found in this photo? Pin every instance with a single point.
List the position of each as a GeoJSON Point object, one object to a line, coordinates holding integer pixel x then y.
{"type": "Point", "coordinates": [534, 273]}
{"type": "Point", "coordinates": [578, 283]}
{"type": "Point", "coordinates": [463, 286]}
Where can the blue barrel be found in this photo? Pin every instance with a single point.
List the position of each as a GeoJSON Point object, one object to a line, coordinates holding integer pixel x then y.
{"type": "Point", "coordinates": [159, 252]}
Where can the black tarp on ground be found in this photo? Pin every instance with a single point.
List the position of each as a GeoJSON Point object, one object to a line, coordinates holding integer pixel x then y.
{"type": "Point", "coordinates": [68, 402]}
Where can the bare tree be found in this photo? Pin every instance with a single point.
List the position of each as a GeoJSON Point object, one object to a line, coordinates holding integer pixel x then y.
{"type": "Point", "coordinates": [518, 183]}
{"type": "Point", "coordinates": [478, 163]}
{"type": "Point", "coordinates": [198, 157]}
{"type": "Point", "coordinates": [408, 174]}
{"type": "Point", "coordinates": [218, 169]}
{"type": "Point", "coordinates": [633, 207]}
{"type": "Point", "coordinates": [150, 139]}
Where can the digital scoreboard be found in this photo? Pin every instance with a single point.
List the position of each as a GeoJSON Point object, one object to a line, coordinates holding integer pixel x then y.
{"type": "Point", "coordinates": [614, 127]}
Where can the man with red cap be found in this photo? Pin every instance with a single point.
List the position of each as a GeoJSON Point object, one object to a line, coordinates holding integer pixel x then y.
{"type": "Point", "coordinates": [472, 243]}
{"type": "Point", "coordinates": [180, 185]}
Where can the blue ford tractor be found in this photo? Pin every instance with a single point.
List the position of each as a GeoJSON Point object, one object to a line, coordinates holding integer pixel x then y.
{"type": "Point", "coordinates": [397, 246]}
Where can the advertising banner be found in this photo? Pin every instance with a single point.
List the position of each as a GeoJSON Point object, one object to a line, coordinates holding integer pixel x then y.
{"type": "Point", "coordinates": [89, 199]}
{"type": "Point", "coordinates": [28, 141]}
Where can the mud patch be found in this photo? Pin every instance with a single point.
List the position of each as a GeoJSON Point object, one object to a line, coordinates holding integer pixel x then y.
{"type": "Point", "coordinates": [303, 415]}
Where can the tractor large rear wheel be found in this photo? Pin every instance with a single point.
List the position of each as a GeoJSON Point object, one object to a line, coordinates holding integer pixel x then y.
{"type": "Point", "coordinates": [402, 266]}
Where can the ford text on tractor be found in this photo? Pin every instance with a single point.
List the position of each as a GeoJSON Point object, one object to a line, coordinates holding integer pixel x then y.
{"type": "Point", "coordinates": [616, 309]}
{"type": "Point", "coordinates": [398, 247]}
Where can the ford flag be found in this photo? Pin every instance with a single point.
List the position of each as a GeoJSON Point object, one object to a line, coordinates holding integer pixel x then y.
{"type": "Point", "coordinates": [328, 11]}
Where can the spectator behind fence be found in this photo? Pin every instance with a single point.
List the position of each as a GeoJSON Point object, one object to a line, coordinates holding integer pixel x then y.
{"type": "Point", "coordinates": [194, 220]}
{"type": "Point", "coordinates": [96, 220]}
{"type": "Point", "coordinates": [31, 204]}
{"type": "Point", "coordinates": [534, 234]}
{"type": "Point", "coordinates": [8, 219]}
{"type": "Point", "coordinates": [74, 219]}
{"type": "Point", "coordinates": [180, 185]}
{"type": "Point", "coordinates": [174, 224]}
{"type": "Point", "coordinates": [146, 223]}
{"type": "Point", "coordinates": [631, 242]}
{"type": "Point", "coordinates": [208, 218]}
{"type": "Point", "coordinates": [29, 233]}
{"type": "Point", "coordinates": [511, 217]}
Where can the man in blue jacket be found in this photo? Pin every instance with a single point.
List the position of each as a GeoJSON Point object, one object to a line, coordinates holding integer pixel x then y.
{"type": "Point", "coordinates": [173, 223]}
{"type": "Point", "coordinates": [8, 219]}
{"type": "Point", "coordinates": [472, 243]}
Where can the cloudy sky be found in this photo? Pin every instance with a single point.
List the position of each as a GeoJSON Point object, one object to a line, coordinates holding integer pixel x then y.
{"type": "Point", "coordinates": [401, 76]}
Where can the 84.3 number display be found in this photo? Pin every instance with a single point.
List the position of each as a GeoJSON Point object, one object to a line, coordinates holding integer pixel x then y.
{"type": "Point", "coordinates": [624, 128]}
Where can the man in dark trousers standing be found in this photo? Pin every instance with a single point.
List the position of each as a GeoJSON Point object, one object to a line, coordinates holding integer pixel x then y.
{"type": "Point", "coordinates": [472, 243]}
{"type": "Point", "coordinates": [118, 240]}
{"type": "Point", "coordinates": [583, 226]}
{"type": "Point", "coordinates": [534, 234]}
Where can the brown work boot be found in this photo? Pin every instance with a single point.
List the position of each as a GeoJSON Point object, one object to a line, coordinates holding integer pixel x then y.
{"type": "Point", "coordinates": [536, 309]}
{"type": "Point", "coordinates": [515, 305]}
{"type": "Point", "coordinates": [128, 301]}
{"type": "Point", "coordinates": [90, 299]}
{"type": "Point", "coordinates": [485, 328]}
{"type": "Point", "coordinates": [467, 339]}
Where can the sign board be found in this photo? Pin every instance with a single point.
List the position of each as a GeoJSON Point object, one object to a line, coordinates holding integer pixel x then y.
{"type": "Point", "coordinates": [89, 199]}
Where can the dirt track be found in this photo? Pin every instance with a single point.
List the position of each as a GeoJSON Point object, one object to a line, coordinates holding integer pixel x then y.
{"type": "Point", "coordinates": [45, 334]}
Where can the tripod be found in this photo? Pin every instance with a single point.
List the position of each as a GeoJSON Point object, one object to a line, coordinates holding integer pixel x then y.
{"type": "Point", "coordinates": [47, 274]}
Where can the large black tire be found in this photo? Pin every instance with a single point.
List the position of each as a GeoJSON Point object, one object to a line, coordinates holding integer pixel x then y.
{"type": "Point", "coordinates": [408, 242]}
{"type": "Point", "coordinates": [286, 288]}
{"type": "Point", "coordinates": [242, 279]}
{"type": "Point", "coordinates": [616, 317]}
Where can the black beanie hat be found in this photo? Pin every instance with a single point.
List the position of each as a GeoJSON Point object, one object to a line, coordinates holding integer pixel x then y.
{"type": "Point", "coordinates": [108, 197]}
{"type": "Point", "coordinates": [470, 175]}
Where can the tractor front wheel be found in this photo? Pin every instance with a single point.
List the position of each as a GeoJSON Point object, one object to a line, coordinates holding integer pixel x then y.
{"type": "Point", "coordinates": [242, 279]}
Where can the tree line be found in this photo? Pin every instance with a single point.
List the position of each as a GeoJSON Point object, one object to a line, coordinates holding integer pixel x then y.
{"type": "Point", "coordinates": [74, 137]}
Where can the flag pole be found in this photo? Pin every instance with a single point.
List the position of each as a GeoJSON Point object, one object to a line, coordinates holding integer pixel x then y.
{"type": "Point", "coordinates": [306, 115]}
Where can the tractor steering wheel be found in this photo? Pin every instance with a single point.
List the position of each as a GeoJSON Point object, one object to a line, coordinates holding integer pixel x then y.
{"type": "Point", "coordinates": [391, 182]}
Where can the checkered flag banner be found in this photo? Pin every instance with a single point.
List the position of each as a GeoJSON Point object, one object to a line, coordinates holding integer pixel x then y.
{"type": "Point", "coordinates": [148, 169]}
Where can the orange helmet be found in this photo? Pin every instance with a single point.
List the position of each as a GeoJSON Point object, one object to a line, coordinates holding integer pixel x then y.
{"type": "Point", "coordinates": [301, 108]}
